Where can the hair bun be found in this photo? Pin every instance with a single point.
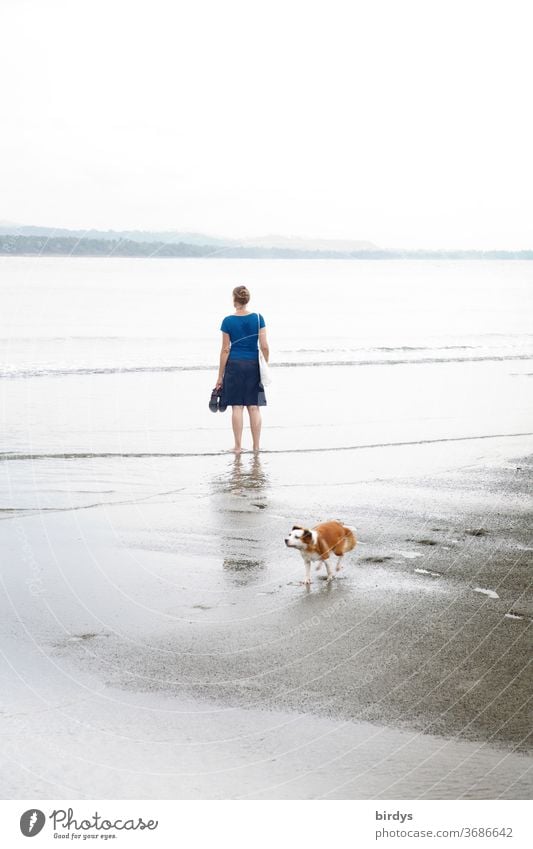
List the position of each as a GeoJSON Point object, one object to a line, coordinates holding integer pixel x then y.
{"type": "Point", "coordinates": [241, 295]}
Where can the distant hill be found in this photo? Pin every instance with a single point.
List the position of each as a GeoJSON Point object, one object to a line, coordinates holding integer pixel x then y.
{"type": "Point", "coordinates": [29, 240]}
{"type": "Point", "coordinates": [177, 236]}
{"type": "Point", "coordinates": [172, 236]}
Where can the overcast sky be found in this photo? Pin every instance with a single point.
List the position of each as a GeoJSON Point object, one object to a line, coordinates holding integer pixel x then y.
{"type": "Point", "coordinates": [405, 123]}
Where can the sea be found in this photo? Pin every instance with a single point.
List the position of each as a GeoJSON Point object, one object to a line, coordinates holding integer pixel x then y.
{"type": "Point", "coordinates": [110, 359]}
{"type": "Point", "coordinates": [142, 561]}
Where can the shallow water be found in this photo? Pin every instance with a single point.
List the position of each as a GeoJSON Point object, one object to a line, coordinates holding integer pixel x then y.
{"type": "Point", "coordinates": [118, 356]}
{"type": "Point", "coordinates": [64, 315]}
{"type": "Point", "coordinates": [169, 641]}
{"type": "Point", "coordinates": [143, 564]}
{"type": "Point", "coordinates": [201, 749]}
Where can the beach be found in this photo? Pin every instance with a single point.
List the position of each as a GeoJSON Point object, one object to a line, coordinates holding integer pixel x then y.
{"type": "Point", "coordinates": [157, 638]}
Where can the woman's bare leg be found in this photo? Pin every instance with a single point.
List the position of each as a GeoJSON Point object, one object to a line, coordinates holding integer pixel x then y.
{"type": "Point", "coordinates": [255, 425]}
{"type": "Point", "coordinates": [236, 423]}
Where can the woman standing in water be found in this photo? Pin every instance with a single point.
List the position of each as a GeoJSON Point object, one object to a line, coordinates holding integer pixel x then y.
{"type": "Point", "coordinates": [239, 382]}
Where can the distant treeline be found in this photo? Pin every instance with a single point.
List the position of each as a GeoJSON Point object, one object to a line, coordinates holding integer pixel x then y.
{"type": "Point", "coordinates": [69, 246]}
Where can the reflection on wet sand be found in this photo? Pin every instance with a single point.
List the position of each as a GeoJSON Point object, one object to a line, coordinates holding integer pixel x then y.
{"type": "Point", "coordinates": [238, 500]}
{"type": "Point", "coordinates": [245, 474]}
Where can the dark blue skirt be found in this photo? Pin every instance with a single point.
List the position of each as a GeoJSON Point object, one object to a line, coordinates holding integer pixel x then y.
{"type": "Point", "coordinates": [242, 384]}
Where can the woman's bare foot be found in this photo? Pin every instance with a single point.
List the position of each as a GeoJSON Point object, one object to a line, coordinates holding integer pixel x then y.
{"type": "Point", "coordinates": [236, 449]}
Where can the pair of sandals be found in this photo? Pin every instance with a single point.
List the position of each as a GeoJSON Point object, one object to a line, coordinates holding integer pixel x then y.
{"type": "Point", "coordinates": [216, 404]}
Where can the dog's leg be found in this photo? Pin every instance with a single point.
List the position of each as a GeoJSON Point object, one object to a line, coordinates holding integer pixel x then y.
{"type": "Point", "coordinates": [330, 573]}
{"type": "Point", "coordinates": [307, 572]}
{"type": "Point", "coordinates": [339, 564]}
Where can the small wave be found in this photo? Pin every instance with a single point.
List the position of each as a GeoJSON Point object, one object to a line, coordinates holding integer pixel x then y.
{"type": "Point", "coordinates": [15, 374]}
{"type": "Point", "coordinates": [10, 456]}
{"type": "Point", "coordinates": [67, 372]}
{"type": "Point", "coordinates": [433, 348]}
{"type": "Point", "coordinates": [390, 361]}
{"type": "Point", "coordinates": [382, 348]}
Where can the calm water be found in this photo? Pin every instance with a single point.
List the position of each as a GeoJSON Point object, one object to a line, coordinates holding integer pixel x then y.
{"type": "Point", "coordinates": [74, 316]}
{"type": "Point", "coordinates": [106, 369]}
{"type": "Point", "coordinates": [118, 356]}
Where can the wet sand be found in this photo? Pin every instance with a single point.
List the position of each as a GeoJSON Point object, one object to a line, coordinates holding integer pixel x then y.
{"type": "Point", "coordinates": [166, 647]}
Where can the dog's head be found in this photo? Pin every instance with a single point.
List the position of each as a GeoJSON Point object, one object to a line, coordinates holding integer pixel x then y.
{"type": "Point", "coordinates": [299, 537]}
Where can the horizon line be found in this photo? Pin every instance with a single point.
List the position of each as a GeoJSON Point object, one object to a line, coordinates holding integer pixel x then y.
{"type": "Point", "coordinates": [236, 243]}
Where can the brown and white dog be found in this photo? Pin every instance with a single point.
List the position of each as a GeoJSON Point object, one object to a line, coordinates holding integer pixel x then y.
{"type": "Point", "coordinates": [319, 542]}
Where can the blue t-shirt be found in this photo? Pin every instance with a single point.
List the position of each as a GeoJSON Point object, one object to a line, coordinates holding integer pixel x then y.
{"type": "Point", "coordinates": [244, 335]}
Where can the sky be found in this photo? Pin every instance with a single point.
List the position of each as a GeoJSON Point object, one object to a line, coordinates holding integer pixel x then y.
{"type": "Point", "coordinates": [400, 122]}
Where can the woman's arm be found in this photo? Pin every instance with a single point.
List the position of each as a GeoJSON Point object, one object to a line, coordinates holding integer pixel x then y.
{"type": "Point", "coordinates": [224, 354]}
{"type": "Point", "coordinates": [263, 344]}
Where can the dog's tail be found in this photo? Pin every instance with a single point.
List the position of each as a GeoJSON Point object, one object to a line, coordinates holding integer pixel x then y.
{"type": "Point", "coordinates": [352, 530]}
